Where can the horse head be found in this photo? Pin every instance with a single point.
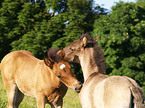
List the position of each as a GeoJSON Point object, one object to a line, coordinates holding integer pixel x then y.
{"type": "Point", "coordinates": [73, 51]}
{"type": "Point", "coordinates": [62, 69]}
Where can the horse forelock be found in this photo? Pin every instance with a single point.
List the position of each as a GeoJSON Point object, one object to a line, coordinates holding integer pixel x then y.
{"type": "Point", "coordinates": [52, 54]}
{"type": "Point", "coordinates": [87, 35]}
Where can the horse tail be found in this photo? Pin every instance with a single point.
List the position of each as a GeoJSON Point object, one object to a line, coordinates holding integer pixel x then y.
{"type": "Point", "coordinates": [137, 93]}
{"type": "Point", "coordinates": [138, 97]}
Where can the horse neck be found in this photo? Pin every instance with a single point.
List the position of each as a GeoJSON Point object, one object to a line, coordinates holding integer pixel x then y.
{"type": "Point", "coordinates": [50, 76]}
{"type": "Point", "coordinates": [87, 62]}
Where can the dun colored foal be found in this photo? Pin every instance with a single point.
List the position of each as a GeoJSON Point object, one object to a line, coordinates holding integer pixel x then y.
{"type": "Point", "coordinates": [99, 90]}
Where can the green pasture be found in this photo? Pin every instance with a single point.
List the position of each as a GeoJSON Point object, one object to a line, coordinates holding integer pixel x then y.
{"type": "Point", "coordinates": [71, 100]}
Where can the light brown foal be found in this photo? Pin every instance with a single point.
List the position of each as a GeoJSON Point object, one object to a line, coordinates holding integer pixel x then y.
{"type": "Point", "coordinates": [22, 73]}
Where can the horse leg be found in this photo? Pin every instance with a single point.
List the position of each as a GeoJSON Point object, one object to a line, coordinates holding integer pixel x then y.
{"type": "Point", "coordinates": [18, 98]}
{"type": "Point", "coordinates": [55, 106]}
{"type": "Point", "coordinates": [10, 88]}
{"type": "Point", "coordinates": [52, 106]}
{"type": "Point", "coordinates": [40, 101]}
{"type": "Point", "coordinates": [58, 104]}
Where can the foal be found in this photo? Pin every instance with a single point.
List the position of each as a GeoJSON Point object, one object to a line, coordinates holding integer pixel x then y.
{"type": "Point", "coordinates": [22, 73]}
{"type": "Point", "coordinates": [99, 90]}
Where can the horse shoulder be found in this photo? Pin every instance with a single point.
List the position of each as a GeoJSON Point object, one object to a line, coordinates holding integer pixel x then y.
{"type": "Point", "coordinates": [46, 81]}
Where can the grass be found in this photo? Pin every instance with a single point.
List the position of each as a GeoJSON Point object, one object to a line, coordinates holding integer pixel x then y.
{"type": "Point", "coordinates": [71, 99]}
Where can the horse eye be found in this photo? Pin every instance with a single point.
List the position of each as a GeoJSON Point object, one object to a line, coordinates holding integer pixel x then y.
{"type": "Point", "coordinates": [59, 76]}
{"type": "Point", "coordinates": [71, 49]}
{"type": "Point", "coordinates": [64, 70]}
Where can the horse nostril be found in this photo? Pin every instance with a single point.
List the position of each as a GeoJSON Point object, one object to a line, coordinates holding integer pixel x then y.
{"type": "Point", "coordinates": [80, 86]}
{"type": "Point", "coordinates": [76, 89]}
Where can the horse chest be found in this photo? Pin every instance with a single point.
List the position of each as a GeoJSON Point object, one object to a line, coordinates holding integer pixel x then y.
{"type": "Point", "coordinates": [46, 85]}
{"type": "Point", "coordinates": [26, 88]}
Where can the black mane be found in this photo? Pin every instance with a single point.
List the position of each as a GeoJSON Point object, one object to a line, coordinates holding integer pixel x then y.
{"type": "Point", "coordinates": [52, 54]}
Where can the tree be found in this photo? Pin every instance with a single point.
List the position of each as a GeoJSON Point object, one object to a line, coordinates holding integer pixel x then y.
{"type": "Point", "coordinates": [60, 23]}
{"type": "Point", "coordinates": [9, 29]}
{"type": "Point", "coordinates": [141, 3]}
{"type": "Point", "coordinates": [122, 38]}
{"type": "Point", "coordinates": [56, 22]}
{"type": "Point", "coordinates": [79, 18]}
{"type": "Point", "coordinates": [41, 37]}
{"type": "Point", "coordinates": [36, 25]}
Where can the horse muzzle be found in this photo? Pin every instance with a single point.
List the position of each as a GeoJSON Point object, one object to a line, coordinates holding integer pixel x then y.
{"type": "Point", "coordinates": [78, 87]}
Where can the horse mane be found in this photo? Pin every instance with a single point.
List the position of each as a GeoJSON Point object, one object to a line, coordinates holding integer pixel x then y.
{"type": "Point", "coordinates": [99, 58]}
{"type": "Point", "coordinates": [98, 53]}
{"type": "Point", "coordinates": [52, 54]}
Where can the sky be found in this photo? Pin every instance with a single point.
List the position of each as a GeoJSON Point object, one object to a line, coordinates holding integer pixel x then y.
{"type": "Point", "coordinates": [109, 3]}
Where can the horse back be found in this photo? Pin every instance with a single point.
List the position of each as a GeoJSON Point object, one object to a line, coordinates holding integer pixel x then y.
{"type": "Point", "coordinates": [106, 92]}
{"type": "Point", "coordinates": [22, 68]}
{"type": "Point", "coordinates": [16, 60]}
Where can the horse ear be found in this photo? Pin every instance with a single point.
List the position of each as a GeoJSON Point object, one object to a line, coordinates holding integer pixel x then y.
{"type": "Point", "coordinates": [61, 53]}
{"type": "Point", "coordinates": [96, 39]}
{"type": "Point", "coordinates": [49, 62]}
{"type": "Point", "coordinates": [84, 41]}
